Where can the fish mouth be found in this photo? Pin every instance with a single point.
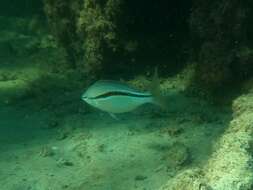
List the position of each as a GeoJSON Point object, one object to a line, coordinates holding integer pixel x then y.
{"type": "Point", "coordinates": [84, 97]}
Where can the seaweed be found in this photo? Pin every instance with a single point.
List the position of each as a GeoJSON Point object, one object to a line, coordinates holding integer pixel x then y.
{"type": "Point", "coordinates": [61, 19]}
{"type": "Point", "coordinates": [96, 25]}
{"type": "Point", "coordinates": [85, 29]}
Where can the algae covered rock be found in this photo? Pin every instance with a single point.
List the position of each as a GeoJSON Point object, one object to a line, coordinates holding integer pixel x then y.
{"type": "Point", "coordinates": [220, 36]}
{"type": "Point", "coordinates": [230, 166]}
{"type": "Point", "coordinates": [177, 155]}
{"type": "Point", "coordinates": [191, 179]}
{"type": "Point", "coordinates": [85, 29]}
{"type": "Point", "coordinates": [243, 104]}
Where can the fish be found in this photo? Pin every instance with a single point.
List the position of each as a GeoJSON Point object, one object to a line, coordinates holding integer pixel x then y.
{"type": "Point", "coordinates": [116, 97]}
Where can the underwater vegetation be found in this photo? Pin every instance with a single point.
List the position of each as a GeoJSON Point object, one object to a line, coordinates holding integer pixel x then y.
{"type": "Point", "coordinates": [114, 33]}
{"type": "Point", "coordinates": [213, 35]}
{"type": "Point", "coordinates": [86, 30]}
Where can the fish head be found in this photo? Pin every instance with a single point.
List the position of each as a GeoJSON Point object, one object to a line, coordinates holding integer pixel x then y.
{"type": "Point", "coordinates": [87, 99]}
{"type": "Point", "coordinates": [84, 97]}
{"type": "Point", "coordinates": [89, 96]}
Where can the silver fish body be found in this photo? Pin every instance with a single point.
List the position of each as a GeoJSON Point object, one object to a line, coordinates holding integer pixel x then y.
{"type": "Point", "coordinates": [115, 97]}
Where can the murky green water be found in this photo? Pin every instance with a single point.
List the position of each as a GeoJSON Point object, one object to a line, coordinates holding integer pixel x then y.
{"type": "Point", "coordinates": [50, 139]}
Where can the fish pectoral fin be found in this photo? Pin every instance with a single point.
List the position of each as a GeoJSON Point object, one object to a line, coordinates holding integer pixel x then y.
{"type": "Point", "coordinates": [114, 116]}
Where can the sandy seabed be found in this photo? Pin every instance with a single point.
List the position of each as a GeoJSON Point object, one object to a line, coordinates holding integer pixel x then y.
{"type": "Point", "coordinates": [79, 151]}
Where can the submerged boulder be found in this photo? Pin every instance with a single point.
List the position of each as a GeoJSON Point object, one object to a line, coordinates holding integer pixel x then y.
{"type": "Point", "coordinates": [230, 165]}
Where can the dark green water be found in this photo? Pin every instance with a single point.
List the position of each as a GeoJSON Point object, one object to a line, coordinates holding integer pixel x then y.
{"type": "Point", "coordinates": [52, 51]}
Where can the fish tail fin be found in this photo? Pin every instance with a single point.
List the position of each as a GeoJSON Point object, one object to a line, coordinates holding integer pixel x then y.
{"type": "Point", "coordinates": [155, 90]}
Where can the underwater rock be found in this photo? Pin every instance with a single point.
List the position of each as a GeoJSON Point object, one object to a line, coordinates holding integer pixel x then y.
{"type": "Point", "coordinates": [63, 162]}
{"type": "Point", "coordinates": [62, 135]}
{"type": "Point", "coordinates": [172, 131]}
{"type": "Point", "coordinates": [242, 104]}
{"type": "Point", "coordinates": [101, 148]}
{"type": "Point", "coordinates": [230, 165]}
{"type": "Point", "coordinates": [85, 30]}
{"type": "Point", "coordinates": [177, 155]}
{"type": "Point", "coordinates": [80, 145]}
{"type": "Point", "coordinates": [140, 178]}
{"type": "Point", "coordinates": [140, 83]}
{"type": "Point", "coordinates": [191, 179]}
{"type": "Point", "coordinates": [46, 152]}
{"type": "Point", "coordinates": [223, 56]}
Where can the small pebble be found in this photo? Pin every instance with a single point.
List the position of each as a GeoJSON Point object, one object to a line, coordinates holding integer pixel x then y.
{"type": "Point", "coordinates": [140, 178]}
{"type": "Point", "coordinates": [63, 162]}
{"type": "Point", "coordinates": [46, 152]}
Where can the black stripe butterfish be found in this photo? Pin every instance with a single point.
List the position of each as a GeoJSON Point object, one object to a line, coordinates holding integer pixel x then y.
{"type": "Point", "coordinates": [115, 97]}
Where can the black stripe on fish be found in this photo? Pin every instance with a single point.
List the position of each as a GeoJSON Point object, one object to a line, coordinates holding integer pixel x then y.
{"type": "Point", "coordinates": [118, 93]}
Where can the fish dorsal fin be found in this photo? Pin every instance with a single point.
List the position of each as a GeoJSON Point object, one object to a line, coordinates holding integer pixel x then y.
{"type": "Point", "coordinates": [155, 84]}
{"type": "Point", "coordinates": [155, 90]}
